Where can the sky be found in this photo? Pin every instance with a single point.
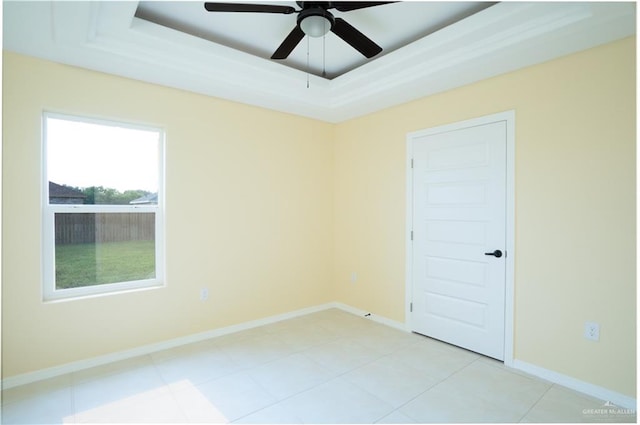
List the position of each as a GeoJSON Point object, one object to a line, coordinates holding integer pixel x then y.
{"type": "Point", "coordinates": [84, 154]}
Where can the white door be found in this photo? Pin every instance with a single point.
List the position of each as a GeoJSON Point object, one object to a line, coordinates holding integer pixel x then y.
{"type": "Point", "coordinates": [459, 240]}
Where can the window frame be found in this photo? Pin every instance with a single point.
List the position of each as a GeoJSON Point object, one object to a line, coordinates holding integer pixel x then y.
{"type": "Point", "coordinates": [49, 291]}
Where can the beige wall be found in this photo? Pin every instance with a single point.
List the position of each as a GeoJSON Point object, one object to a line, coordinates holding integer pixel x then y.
{"type": "Point", "coordinates": [249, 204]}
{"type": "Point", "coordinates": [575, 207]}
{"type": "Point", "coordinates": [274, 212]}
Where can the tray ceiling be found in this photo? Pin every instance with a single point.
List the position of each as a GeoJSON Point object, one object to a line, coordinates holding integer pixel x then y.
{"type": "Point", "coordinates": [429, 47]}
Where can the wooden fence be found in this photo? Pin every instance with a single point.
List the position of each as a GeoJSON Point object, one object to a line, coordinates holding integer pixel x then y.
{"type": "Point", "coordinates": [76, 228]}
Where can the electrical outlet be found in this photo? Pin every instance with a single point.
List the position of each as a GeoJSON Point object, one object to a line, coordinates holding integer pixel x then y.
{"type": "Point", "coordinates": [354, 277]}
{"type": "Point", "coordinates": [592, 331]}
{"type": "Point", "coordinates": [204, 294]}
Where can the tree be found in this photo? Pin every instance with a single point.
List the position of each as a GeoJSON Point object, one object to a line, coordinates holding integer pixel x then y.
{"type": "Point", "coordinates": [100, 195]}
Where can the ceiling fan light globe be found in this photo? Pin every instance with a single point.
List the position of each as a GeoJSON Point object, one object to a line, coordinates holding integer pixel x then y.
{"type": "Point", "coordinates": [315, 26]}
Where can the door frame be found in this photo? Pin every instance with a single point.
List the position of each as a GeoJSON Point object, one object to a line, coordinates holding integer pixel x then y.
{"type": "Point", "coordinates": [509, 118]}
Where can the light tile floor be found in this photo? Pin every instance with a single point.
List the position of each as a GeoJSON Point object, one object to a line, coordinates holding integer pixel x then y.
{"type": "Point", "coordinates": [326, 367]}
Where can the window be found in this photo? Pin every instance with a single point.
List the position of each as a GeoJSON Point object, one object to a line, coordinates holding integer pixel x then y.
{"type": "Point", "coordinates": [103, 207]}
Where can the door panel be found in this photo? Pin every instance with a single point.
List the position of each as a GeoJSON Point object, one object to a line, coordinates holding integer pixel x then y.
{"type": "Point", "coordinates": [459, 200]}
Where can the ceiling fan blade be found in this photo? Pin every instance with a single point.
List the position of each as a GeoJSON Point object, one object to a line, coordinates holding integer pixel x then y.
{"type": "Point", "coordinates": [289, 43]}
{"type": "Point", "coordinates": [346, 6]}
{"type": "Point", "coordinates": [355, 38]}
{"type": "Point", "coordinates": [246, 7]}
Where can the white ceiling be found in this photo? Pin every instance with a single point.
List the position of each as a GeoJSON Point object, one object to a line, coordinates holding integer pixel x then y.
{"type": "Point", "coordinates": [107, 36]}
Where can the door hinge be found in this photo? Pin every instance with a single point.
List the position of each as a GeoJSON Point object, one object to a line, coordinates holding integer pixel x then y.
{"type": "Point", "coordinates": [411, 162]}
{"type": "Point", "coordinates": [410, 307]}
{"type": "Point", "coordinates": [412, 235]}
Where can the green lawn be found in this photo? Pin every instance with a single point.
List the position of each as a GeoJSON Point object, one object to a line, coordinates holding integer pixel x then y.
{"type": "Point", "coordinates": [98, 264]}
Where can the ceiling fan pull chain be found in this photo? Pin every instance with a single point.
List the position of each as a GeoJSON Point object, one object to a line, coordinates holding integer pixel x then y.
{"type": "Point", "coordinates": [307, 61]}
{"type": "Point", "coordinates": [324, 56]}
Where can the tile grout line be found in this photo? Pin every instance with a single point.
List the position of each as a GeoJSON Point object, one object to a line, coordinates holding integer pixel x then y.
{"type": "Point", "coordinates": [432, 387]}
{"type": "Point", "coordinates": [333, 377]}
{"type": "Point", "coordinates": [171, 392]}
{"type": "Point", "coordinates": [241, 369]}
{"type": "Point", "coordinates": [339, 375]}
{"type": "Point", "coordinates": [294, 352]}
{"type": "Point", "coordinates": [536, 403]}
{"type": "Point", "coordinates": [418, 395]}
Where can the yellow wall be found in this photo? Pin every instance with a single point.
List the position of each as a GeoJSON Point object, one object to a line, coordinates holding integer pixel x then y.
{"type": "Point", "coordinates": [575, 207]}
{"type": "Point", "coordinates": [274, 212]}
{"type": "Point", "coordinates": [249, 201]}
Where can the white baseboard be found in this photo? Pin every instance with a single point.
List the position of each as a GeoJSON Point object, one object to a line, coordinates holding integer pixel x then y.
{"type": "Point", "coordinates": [576, 384]}
{"type": "Point", "coordinates": [76, 366]}
{"type": "Point", "coordinates": [379, 319]}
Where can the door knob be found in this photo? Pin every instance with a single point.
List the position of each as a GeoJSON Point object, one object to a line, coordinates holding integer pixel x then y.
{"type": "Point", "coordinates": [497, 253]}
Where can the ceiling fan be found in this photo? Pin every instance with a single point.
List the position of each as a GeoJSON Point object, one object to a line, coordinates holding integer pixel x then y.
{"type": "Point", "coordinates": [314, 20]}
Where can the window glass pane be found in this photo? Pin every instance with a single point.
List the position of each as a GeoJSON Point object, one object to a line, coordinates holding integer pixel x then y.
{"type": "Point", "coordinates": [89, 163]}
{"type": "Point", "coordinates": [101, 248]}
